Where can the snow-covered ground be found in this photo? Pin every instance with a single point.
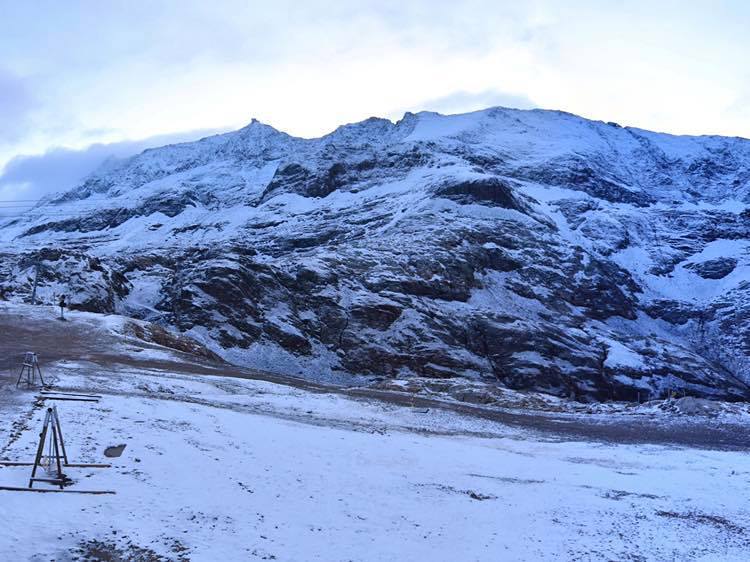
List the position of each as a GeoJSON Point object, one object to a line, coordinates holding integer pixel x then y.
{"type": "Point", "coordinates": [231, 469]}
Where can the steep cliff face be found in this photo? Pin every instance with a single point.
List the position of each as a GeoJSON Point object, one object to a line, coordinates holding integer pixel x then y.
{"type": "Point", "coordinates": [533, 249]}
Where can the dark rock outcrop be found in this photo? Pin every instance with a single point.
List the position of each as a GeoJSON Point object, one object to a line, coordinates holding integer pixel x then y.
{"type": "Point", "coordinates": [713, 269]}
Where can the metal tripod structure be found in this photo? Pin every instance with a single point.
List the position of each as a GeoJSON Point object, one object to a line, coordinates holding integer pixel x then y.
{"type": "Point", "coordinates": [51, 455]}
{"type": "Point", "coordinates": [56, 457]}
{"type": "Point", "coordinates": [30, 369]}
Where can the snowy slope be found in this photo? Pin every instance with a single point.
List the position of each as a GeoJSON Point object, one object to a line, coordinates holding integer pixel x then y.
{"type": "Point", "coordinates": [534, 249]}
{"type": "Point", "coordinates": [219, 468]}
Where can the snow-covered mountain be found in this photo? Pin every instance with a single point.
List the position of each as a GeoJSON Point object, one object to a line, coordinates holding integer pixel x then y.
{"type": "Point", "coordinates": [534, 249]}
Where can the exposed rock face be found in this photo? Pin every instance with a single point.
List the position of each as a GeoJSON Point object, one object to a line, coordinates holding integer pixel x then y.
{"type": "Point", "coordinates": [713, 269]}
{"type": "Point", "coordinates": [529, 249]}
{"type": "Point", "coordinates": [89, 283]}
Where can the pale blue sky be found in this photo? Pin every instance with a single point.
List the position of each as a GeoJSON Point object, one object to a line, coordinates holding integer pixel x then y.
{"type": "Point", "coordinates": [78, 73]}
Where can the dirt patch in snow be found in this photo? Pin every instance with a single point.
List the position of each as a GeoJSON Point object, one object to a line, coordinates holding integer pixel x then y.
{"type": "Point", "coordinates": [153, 333]}
{"type": "Point", "coordinates": [95, 550]}
{"type": "Point", "coordinates": [693, 518]}
{"type": "Point", "coordinates": [479, 496]}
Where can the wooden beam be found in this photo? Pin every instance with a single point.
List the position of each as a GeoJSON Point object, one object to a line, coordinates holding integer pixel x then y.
{"type": "Point", "coordinates": [47, 397]}
{"type": "Point", "coordinates": [71, 465]}
{"type": "Point", "coordinates": [69, 394]}
{"type": "Point", "coordinates": [55, 490]}
{"type": "Point", "coordinates": [40, 449]}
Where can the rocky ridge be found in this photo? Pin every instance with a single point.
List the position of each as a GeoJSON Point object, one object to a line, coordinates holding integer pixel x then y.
{"type": "Point", "coordinates": [527, 249]}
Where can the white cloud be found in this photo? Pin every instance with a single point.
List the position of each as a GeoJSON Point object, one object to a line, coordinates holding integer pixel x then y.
{"type": "Point", "coordinates": [59, 169]}
{"type": "Point", "coordinates": [109, 72]}
{"type": "Point", "coordinates": [16, 104]}
{"type": "Point", "coordinates": [471, 101]}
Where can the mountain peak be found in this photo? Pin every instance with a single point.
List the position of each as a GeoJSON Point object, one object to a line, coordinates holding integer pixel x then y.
{"type": "Point", "coordinates": [255, 127]}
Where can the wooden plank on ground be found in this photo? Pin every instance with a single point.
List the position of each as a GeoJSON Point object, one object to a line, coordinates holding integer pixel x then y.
{"type": "Point", "coordinates": [68, 398]}
{"type": "Point", "coordinates": [54, 490]}
{"type": "Point", "coordinates": [71, 465]}
{"type": "Point", "coordinates": [70, 393]}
